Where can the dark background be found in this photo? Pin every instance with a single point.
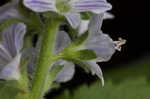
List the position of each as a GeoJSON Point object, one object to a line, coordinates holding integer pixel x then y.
{"type": "Point", "coordinates": [130, 23]}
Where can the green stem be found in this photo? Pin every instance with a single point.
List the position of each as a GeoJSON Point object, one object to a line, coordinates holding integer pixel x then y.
{"type": "Point", "coordinates": [45, 60]}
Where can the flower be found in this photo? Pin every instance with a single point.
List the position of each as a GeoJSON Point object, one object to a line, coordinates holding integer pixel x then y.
{"type": "Point", "coordinates": [69, 8]}
{"type": "Point", "coordinates": [9, 10]}
{"type": "Point", "coordinates": [66, 74]}
{"type": "Point", "coordinates": [104, 48]}
{"type": "Point", "coordinates": [62, 39]}
{"type": "Point", "coordinates": [101, 44]}
{"type": "Point", "coordinates": [10, 51]}
{"type": "Point", "coordinates": [97, 41]}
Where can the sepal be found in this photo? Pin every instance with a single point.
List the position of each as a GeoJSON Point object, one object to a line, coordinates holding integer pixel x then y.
{"type": "Point", "coordinates": [84, 54]}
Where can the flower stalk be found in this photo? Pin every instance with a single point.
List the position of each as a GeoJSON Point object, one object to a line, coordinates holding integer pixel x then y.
{"type": "Point", "coordinates": [45, 60]}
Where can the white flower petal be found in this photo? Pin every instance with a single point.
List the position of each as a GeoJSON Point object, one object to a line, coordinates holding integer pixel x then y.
{"type": "Point", "coordinates": [83, 26]}
{"type": "Point", "coordinates": [5, 56]}
{"type": "Point", "coordinates": [95, 68]}
{"type": "Point", "coordinates": [73, 18]}
{"type": "Point", "coordinates": [96, 6]}
{"type": "Point", "coordinates": [66, 73]}
{"type": "Point", "coordinates": [102, 45]}
{"type": "Point", "coordinates": [12, 38]}
{"type": "Point", "coordinates": [95, 24]}
{"type": "Point", "coordinates": [19, 36]}
{"type": "Point", "coordinates": [40, 5]}
{"type": "Point", "coordinates": [108, 15]}
{"type": "Point", "coordinates": [11, 70]}
{"type": "Point", "coordinates": [62, 40]}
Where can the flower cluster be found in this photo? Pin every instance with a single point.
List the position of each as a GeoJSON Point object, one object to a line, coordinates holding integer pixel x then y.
{"type": "Point", "coordinates": [57, 50]}
{"type": "Point", "coordinates": [97, 41]}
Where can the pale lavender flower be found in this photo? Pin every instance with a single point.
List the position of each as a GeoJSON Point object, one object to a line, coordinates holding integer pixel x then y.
{"type": "Point", "coordinates": [100, 43]}
{"type": "Point", "coordinates": [104, 48]}
{"type": "Point", "coordinates": [69, 8]}
{"type": "Point", "coordinates": [97, 41]}
{"type": "Point", "coordinates": [10, 51]}
{"type": "Point", "coordinates": [9, 10]}
{"type": "Point", "coordinates": [68, 70]}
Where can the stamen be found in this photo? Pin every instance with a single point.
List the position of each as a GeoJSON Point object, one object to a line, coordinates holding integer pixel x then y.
{"type": "Point", "coordinates": [119, 43]}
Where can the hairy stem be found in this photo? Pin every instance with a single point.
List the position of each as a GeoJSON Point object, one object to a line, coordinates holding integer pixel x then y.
{"type": "Point", "coordinates": [45, 60]}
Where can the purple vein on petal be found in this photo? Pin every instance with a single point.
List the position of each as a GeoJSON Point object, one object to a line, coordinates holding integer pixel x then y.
{"type": "Point", "coordinates": [39, 2]}
{"type": "Point", "coordinates": [92, 5]}
{"type": "Point", "coordinates": [39, 6]}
